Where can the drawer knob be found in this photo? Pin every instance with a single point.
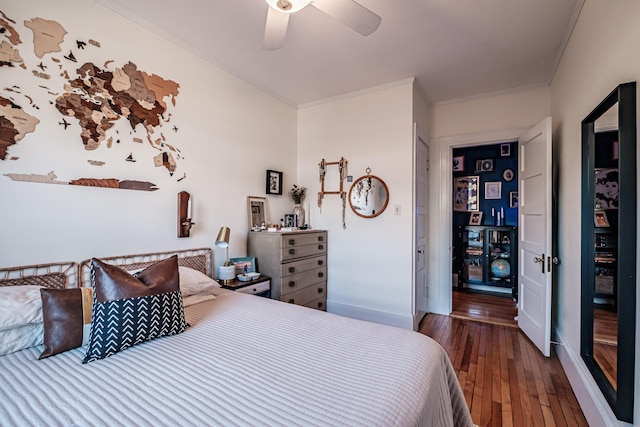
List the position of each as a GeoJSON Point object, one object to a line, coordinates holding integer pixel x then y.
{"type": "Point", "coordinates": [320, 290]}
{"type": "Point", "coordinates": [292, 251]}
{"type": "Point", "coordinates": [292, 269]}
{"type": "Point", "coordinates": [292, 284]}
{"type": "Point", "coordinates": [321, 274]}
{"type": "Point", "coordinates": [292, 241]}
{"type": "Point", "coordinates": [291, 300]}
{"type": "Point", "coordinates": [320, 247]}
{"type": "Point", "coordinates": [320, 238]}
{"type": "Point", "coordinates": [320, 304]}
{"type": "Point", "coordinates": [320, 262]}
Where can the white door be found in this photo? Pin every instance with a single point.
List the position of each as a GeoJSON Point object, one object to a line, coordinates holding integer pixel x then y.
{"type": "Point", "coordinates": [535, 238]}
{"type": "Point", "coordinates": [421, 219]}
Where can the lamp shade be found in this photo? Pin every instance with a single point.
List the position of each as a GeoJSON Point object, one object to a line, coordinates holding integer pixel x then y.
{"type": "Point", "coordinates": [222, 241]}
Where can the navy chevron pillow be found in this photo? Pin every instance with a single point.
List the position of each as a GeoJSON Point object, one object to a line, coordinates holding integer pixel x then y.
{"type": "Point", "coordinates": [129, 310]}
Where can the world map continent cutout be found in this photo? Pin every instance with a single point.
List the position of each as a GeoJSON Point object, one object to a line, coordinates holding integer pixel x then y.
{"type": "Point", "coordinates": [15, 123]}
{"type": "Point", "coordinates": [99, 98]}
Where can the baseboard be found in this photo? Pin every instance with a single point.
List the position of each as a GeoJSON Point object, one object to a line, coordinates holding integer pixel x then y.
{"type": "Point", "coordinates": [361, 313]}
{"type": "Point", "coordinates": [594, 406]}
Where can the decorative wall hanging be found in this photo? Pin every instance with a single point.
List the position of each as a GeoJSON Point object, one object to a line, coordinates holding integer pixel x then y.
{"type": "Point", "coordinates": [505, 150]}
{"type": "Point", "coordinates": [185, 214]}
{"type": "Point", "coordinates": [493, 190]}
{"type": "Point", "coordinates": [368, 196]}
{"type": "Point", "coordinates": [485, 165]}
{"type": "Point", "coordinates": [342, 165]}
{"type": "Point", "coordinates": [95, 96]}
{"type": "Point", "coordinates": [458, 164]}
{"type": "Point", "coordinates": [508, 174]}
{"type": "Point", "coordinates": [465, 194]}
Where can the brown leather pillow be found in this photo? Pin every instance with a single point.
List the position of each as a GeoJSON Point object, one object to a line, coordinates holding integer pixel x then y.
{"type": "Point", "coordinates": [113, 283]}
{"type": "Point", "coordinates": [64, 314]}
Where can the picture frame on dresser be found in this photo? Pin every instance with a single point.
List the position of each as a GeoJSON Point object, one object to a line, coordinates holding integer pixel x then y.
{"type": "Point", "coordinates": [241, 263]}
{"type": "Point", "coordinates": [258, 211]}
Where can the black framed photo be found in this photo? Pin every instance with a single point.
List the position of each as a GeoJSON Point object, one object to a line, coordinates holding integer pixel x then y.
{"type": "Point", "coordinates": [513, 199]}
{"type": "Point", "coordinates": [484, 165]}
{"type": "Point", "coordinates": [505, 150]}
{"type": "Point", "coordinates": [476, 218]}
{"type": "Point", "coordinates": [290, 220]}
{"type": "Point", "coordinates": [274, 182]}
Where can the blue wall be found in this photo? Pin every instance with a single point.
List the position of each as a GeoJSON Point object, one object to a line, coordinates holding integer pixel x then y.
{"type": "Point", "coordinates": [492, 152]}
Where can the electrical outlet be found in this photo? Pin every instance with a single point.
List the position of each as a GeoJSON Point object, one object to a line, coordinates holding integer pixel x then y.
{"type": "Point", "coordinates": [397, 209]}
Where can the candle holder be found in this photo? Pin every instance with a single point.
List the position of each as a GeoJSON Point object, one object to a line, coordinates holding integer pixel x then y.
{"type": "Point", "coordinates": [184, 214]}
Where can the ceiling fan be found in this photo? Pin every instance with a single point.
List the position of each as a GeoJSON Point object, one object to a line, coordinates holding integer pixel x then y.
{"type": "Point", "coordinates": [350, 13]}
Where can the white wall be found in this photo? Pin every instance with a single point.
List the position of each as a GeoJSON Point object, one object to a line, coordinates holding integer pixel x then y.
{"type": "Point", "coordinates": [602, 53]}
{"type": "Point", "coordinates": [229, 133]}
{"type": "Point", "coordinates": [370, 274]}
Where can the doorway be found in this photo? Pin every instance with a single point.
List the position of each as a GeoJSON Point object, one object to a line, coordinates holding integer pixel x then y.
{"type": "Point", "coordinates": [484, 232]}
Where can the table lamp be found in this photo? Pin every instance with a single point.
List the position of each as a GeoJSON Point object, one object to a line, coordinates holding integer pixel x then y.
{"type": "Point", "coordinates": [226, 272]}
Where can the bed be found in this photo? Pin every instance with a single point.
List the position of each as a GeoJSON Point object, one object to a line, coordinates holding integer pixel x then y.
{"type": "Point", "coordinates": [243, 361]}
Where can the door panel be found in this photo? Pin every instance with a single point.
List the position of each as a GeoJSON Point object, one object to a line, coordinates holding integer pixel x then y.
{"type": "Point", "coordinates": [534, 304]}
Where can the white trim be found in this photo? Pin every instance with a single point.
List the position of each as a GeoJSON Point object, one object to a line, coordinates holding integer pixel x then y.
{"type": "Point", "coordinates": [594, 406]}
{"type": "Point", "coordinates": [369, 315]}
{"type": "Point", "coordinates": [443, 305]}
{"type": "Point", "coordinates": [418, 135]}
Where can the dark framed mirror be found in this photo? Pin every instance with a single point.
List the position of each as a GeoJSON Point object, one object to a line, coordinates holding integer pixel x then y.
{"type": "Point", "coordinates": [608, 287]}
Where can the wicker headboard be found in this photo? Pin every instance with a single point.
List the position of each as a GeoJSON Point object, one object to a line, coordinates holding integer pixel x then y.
{"type": "Point", "coordinates": [55, 275]}
{"type": "Point", "coordinates": [198, 259]}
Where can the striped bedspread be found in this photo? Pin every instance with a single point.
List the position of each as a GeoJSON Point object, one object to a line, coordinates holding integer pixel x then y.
{"type": "Point", "coordinates": [245, 361]}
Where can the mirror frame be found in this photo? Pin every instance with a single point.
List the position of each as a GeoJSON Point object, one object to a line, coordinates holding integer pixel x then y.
{"type": "Point", "coordinates": [621, 398]}
{"type": "Point", "coordinates": [386, 202]}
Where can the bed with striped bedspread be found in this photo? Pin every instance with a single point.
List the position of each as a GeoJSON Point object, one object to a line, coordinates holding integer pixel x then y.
{"type": "Point", "coordinates": [245, 361]}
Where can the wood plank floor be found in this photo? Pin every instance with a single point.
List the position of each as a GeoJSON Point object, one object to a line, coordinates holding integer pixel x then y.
{"type": "Point", "coordinates": [505, 379]}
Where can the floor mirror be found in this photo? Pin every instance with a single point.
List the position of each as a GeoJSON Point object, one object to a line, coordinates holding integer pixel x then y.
{"type": "Point", "coordinates": [608, 277]}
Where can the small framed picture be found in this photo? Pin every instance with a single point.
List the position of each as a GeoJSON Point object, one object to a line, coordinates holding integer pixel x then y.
{"type": "Point", "coordinates": [274, 182]}
{"type": "Point", "coordinates": [513, 199]}
{"type": "Point", "coordinates": [493, 190]}
{"type": "Point", "coordinates": [458, 164]}
{"type": "Point", "coordinates": [290, 220]}
{"type": "Point", "coordinates": [508, 174]}
{"type": "Point", "coordinates": [600, 219]}
{"type": "Point", "coordinates": [244, 264]}
{"type": "Point", "coordinates": [484, 165]}
{"type": "Point", "coordinates": [465, 193]}
{"type": "Point", "coordinates": [505, 150]}
{"type": "Point", "coordinates": [476, 218]}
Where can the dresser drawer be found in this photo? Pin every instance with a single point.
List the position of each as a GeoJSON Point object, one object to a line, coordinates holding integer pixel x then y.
{"type": "Point", "coordinates": [294, 240]}
{"type": "Point", "coordinates": [318, 304]}
{"type": "Point", "coordinates": [295, 267]}
{"type": "Point", "coordinates": [295, 252]}
{"type": "Point", "coordinates": [297, 281]}
{"type": "Point", "coordinates": [306, 295]}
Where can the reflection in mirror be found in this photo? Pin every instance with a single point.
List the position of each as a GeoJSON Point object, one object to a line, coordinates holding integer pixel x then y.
{"type": "Point", "coordinates": [608, 293]}
{"type": "Point", "coordinates": [368, 196]}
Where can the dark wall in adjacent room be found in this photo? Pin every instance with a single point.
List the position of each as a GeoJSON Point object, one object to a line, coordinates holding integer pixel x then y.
{"type": "Point", "coordinates": [504, 156]}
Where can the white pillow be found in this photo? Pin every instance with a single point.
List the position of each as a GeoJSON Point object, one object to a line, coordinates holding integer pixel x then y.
{"type": "Point", "coordinates": [21, 337]}
{"type": "Point", "coordinates": [19, 306]}
{"type": "Point", "coordinates": [192, 281]}
{"type": "Point", "coordinates": [197, 298]}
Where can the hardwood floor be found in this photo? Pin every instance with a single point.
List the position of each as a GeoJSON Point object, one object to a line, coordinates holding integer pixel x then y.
{"type": "Point", "coordinates": [505, 379]}
{"type": "Point", "coordinates": [500, 310]}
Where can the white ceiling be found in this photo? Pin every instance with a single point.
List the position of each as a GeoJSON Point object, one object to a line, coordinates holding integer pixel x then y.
{"type": "Point", "coordinates": [455, 48]}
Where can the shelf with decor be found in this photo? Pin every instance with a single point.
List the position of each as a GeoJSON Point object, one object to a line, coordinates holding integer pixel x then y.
{"type": "Point", "coordinates": [487, 255]}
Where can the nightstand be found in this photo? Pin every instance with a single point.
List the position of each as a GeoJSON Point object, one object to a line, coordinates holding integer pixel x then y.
{"type": "Point", "coordinates": [260, 286]}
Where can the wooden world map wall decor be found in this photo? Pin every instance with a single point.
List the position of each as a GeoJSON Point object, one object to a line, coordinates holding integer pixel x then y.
{"type": "Point", "coordinates": [96, 99]}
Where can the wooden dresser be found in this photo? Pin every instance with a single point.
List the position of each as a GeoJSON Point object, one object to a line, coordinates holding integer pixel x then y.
{"type": "Point", "coordinates": [296, 262]}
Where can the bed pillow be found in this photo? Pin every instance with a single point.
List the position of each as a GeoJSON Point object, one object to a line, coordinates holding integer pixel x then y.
{"type": "Point", "coordinates": [66, 314]}
{"type": "Point", "coordinates": [19, 338]}
{"type": "Point", "coordinates": [19, 306]}
{"type": "Point", "coordinates": [129, 310]}
{"type": "Point", "coordinates": [194, 282]}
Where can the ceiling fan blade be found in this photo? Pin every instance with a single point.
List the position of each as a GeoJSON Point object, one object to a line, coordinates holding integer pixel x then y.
{"type": "Point", "coordinates": [351, 14]}
{"type": "Point", "coordinates": [275, 30]}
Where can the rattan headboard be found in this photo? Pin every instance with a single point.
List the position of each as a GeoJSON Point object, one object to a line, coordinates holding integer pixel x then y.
{"type": "Point", "coordinates": [198, 259]}
{"type": "Point", "coordinates": [55, 275]}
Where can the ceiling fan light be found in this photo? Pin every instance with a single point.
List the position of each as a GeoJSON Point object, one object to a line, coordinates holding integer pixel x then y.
{"type": "Point", "coordinates": [288, 6]}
